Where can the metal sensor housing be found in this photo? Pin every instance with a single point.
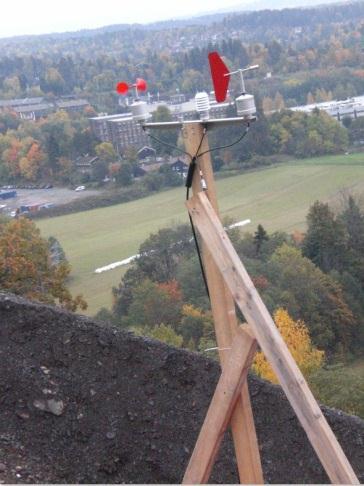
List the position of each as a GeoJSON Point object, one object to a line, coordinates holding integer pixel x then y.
{"type": "Point", "coordinates": [139, 110]}
{"type": "Point", "coordinates": [245, 105]}
{"type": "Point", "coordinates": [202, 103]}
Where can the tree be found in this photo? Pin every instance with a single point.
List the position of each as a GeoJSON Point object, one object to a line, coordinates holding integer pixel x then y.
{"type": "Point", "coordinates": [162, 114]}
{"type": "Point", "coordinates": [191, 282]}
{"type": "Point", "coordinates": [26, 268]}
{"type": "Point", "coordinates": [312, 296]}
{"type": "Point", "coordinates": [56, 252]}
{"type": "Point", "coordinates": [152, 305]}
{"type": "Point", "coordinates": [279, 102]}
{"type": "Point", "coordinates": [8, 121]}
{"type": "Point", "coordinates": [325, 240]}
{"type": "Point", "coordinates": [56, 132]}
{"type": "Point", "coordinates": [158, 261]}
{"type": "Point", "coordinates": [153, 181]}
{"type": "Point", "coordinates": [259, 237]}
{"type": "Point", "coordinates": [106, 152]}
{"type": "Point", "coordinates": [100, 170]}
{"type": "Point", "coordinates": [163, 333]}
{"type": "Point", "coordinates": [83, 142]}
{"type": "Point", "coordinates": [161, 252]}
{"type": "Point", "coordinates": [297, 338]}
{"type": "Point", "coordinates": [12, 87]}
{"type": "Point", "coordinates": [53, 82]}
{"type": "Point", "coordinates": [11, 157]}
{"type": "Point", "coordinates": [125, 175]}
{"type": "Point", "coordinates": [356, 130]}
{"type": "Point", "coordinates": [194, 325]}
{"type": "Point", "coordinates": [32, 164]}
{"type": "Point", "coordinates": [306, 135]}
{"type": "Point", "coordinates": [65, 170]}
{"type": "Point", "coordinates": [274, 52]}
{"type": "Point", "coordinates": [353, 219]}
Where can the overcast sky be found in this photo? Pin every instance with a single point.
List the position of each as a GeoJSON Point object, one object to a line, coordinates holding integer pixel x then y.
{"type": "Point", "coordinates": [18, 17]}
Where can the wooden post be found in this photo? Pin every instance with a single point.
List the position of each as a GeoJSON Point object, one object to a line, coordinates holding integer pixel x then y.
{"type": "Point", "coordinates": [223, 311]}
{"type": "Point", "coordinates": [291, 379]}
{"type": "Point", "coordinates": [221, 408]}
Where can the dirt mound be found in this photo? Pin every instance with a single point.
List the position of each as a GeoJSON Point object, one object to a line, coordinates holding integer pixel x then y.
{"type": "Point", "coordinates": [82, 403]}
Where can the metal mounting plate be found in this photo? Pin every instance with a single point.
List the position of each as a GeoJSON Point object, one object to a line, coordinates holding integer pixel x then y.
{"type": "Point", "coordinates": [212, 123]}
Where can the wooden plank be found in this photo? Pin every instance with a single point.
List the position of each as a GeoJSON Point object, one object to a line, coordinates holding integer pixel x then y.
{"type": "Point", "coordinates": [225, 321]}
{"type": "Point", "coordinates": [293, 383]}
{"type": "Point", "coordinates": [221, 408]}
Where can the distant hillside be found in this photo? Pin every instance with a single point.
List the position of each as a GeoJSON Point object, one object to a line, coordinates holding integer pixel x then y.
{"type": "Point", "coordinates": [248, 15]}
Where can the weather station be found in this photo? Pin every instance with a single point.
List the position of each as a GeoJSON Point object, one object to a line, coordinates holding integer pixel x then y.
{"type": "Point", "coordinates": [229, 285]}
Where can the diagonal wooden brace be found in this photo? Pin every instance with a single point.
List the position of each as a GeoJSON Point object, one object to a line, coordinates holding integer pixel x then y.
{"type": "Point", "coordinates": [225, 319]}
{"type": "Point", "coordinates": [275, 349]}
{"type": "Point", "coordinates": [221, 408]}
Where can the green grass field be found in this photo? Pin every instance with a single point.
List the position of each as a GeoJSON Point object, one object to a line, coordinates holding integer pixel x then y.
{"type": "Point", "coordinates": [276, 197]}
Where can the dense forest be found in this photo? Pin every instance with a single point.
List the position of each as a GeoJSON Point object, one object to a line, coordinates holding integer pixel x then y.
{"type": "Point", "coordinates": [45, 150]}
{"type": "Point", "coordinates": [316, 51]}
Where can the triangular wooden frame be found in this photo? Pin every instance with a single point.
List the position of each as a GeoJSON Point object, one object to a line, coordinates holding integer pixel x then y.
{"type": "Point", "coordinates": [270, 341]}
{"type": "Point", "coordinates": [225, 319]}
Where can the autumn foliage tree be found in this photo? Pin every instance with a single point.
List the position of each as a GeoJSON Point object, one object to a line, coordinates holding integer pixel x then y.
{"type": "Point", "coordinates": [26, 268]}
{"type": "Point", "coordinates": [153, 304]}
{"type": "Point", "coordinates": [163, 333]}
{"type": "Point", "coordinates": [194, 326]}
{"type": "Point", "coordinates": [297, 338]}
{"type": "Point", "coordinates": [32, 163]}
{"type": "Point", "coordinates": [313, 296]}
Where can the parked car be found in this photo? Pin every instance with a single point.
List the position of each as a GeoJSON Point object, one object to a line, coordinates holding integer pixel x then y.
{"type": "Point", "coordinates": [80, 188]}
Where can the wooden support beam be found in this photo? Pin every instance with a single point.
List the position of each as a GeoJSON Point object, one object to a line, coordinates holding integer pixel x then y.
{"type": "Point", "coordinates": [290, 377]}
{"type": "Point", "coordinates": [225, 321]}
{"type": "Point", "coordinates": [221, 408]}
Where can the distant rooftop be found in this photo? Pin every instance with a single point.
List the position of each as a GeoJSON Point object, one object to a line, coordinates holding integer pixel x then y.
{"type": "Point", "coordinates": [334, 107]}
{"type": "Point", "coordinates": [118, 116]}
{"type": "Point", "coordinates": [31, 108]}
{"type": "Point", "coordinates": [20, 102]}
{"type": "Point", "coordinates": [71, 103]}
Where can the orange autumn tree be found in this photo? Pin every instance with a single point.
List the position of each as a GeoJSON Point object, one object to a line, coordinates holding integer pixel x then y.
{"type": "Point", "coordinates": [26, 268]}
{"type": "Point", "coordinates": [297, 338]}
{"type": "Point", "coordinates": [32, 163]}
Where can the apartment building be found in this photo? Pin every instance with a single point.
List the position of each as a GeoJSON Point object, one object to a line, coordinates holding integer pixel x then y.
{"type": "Point", "coordinates": [121, 130]}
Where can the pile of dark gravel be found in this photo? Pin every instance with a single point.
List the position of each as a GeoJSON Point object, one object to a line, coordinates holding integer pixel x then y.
{"type": "Point", "coordinates": [82, 403]}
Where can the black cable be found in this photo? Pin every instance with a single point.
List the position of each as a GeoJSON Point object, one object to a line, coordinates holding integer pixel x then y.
{"type": "Point", "coordinates": [162, 142]}
{"type": "Point", "coordinates": [228, 145]}
{"type": "Point", "coordinates": [189, 179]}
{"type": "Point", "coordinates": [199, 254]}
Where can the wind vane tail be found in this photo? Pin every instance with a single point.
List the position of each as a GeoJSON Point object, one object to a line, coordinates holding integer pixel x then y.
{"type": "Point", "coordinates": [220, 76]}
